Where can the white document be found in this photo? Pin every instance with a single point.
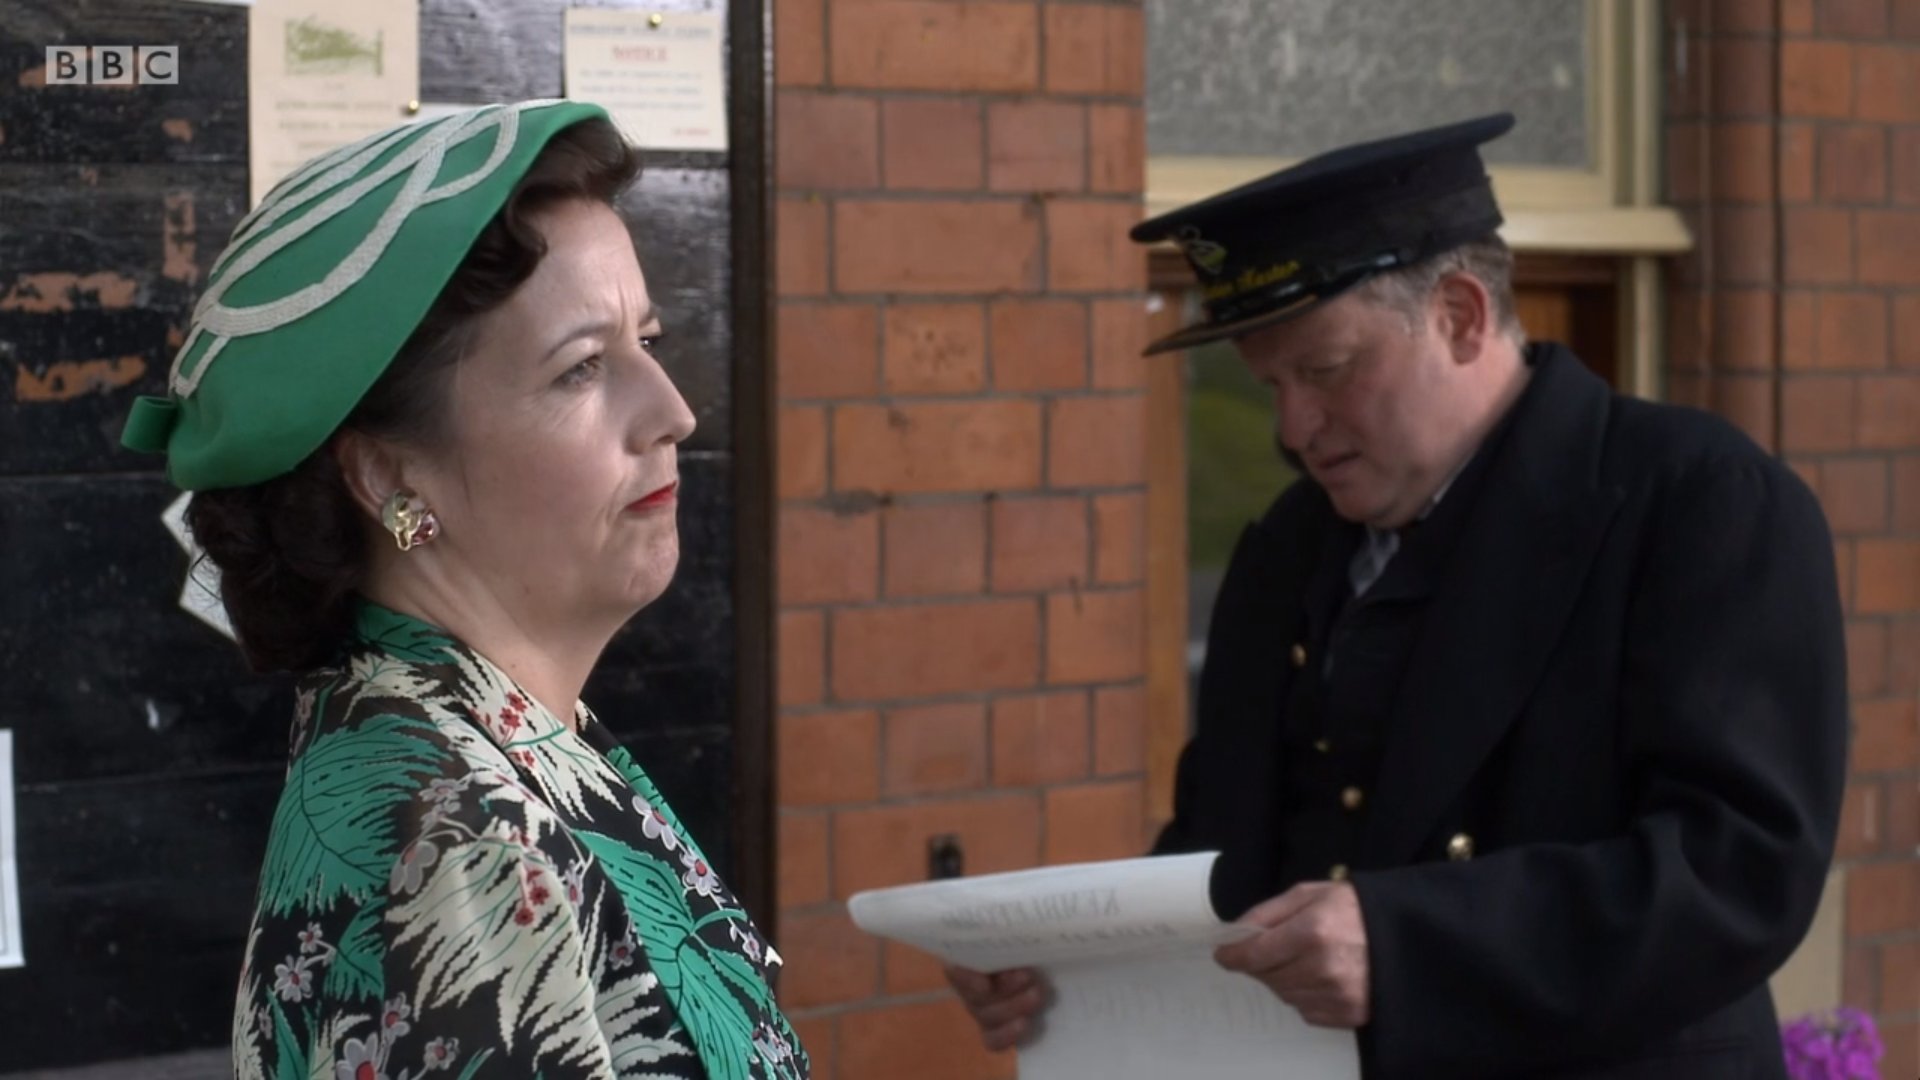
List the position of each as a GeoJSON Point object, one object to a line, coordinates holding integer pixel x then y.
{"type": "Point", "coordinates": [200, 593]}
{"type": "Point", "coordinates": [658, 74]}
{"type": "Point", "coordinates": [12, 953]}
{"type": "Point", "coordinates": [322, 74]}
{"type": "Point", "coordinates": [1128, 949]}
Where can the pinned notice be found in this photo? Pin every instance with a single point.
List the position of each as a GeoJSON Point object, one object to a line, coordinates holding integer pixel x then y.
{"type": "Point", "coordinates": [322, 74]}
{"type": "Point", "coordinates": [661, 76]}
{"type": "Point", "coordinates": [12, 953]}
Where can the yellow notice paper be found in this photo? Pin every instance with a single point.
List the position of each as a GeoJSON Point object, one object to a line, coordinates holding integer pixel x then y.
{"type": "Point", "coordinates": [660, 75]}
{"type": "Point", "coordinates": [323, 73]}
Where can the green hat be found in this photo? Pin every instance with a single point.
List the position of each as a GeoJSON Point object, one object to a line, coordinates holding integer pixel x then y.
{"type": "Point", "coordinates": [324, 281]}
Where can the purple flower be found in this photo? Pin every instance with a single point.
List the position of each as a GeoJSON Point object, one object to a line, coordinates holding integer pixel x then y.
{"type": "Point", "coordinates": [1841, 1045]}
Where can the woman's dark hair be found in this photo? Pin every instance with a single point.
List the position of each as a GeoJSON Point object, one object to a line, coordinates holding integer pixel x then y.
{"type": "Point", "coordinates": [293, 550]}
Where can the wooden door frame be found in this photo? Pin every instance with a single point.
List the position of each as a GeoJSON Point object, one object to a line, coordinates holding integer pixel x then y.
{"type": "Point", "coordinates": [750, 151]}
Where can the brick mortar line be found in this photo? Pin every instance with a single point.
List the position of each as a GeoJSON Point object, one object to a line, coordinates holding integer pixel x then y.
{"type": "Point", "coordinates": [958, 599]}
{"type": "Point", "coordinates": [952, 498]}
{"type": "Point", "coordinates": [959, 796]}
{"type": "Point", "coordinates": [883, 499]}
{"type": "Point", "coordinates": [970, 197]}
{"type": "Point", "coordinates": [995, 396]}
{"type": "Point", "coordinates": [884, 704]}
{"type": "Point", "coordinates": [986, 699]}
{"type": "Point", "coordinates": [972, 697]}
{"type": "Point", "coordinates": [989, 298]}
{"type": "Point", "coordinates": [878, 1003]}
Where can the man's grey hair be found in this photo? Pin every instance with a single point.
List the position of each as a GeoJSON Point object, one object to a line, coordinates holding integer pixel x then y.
{"type": "Point", "coordinates": [1407, 289]}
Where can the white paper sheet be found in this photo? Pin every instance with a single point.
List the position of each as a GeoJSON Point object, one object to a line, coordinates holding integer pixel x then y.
{"type": "Point", "coordinates": [12, 951]}
{"type": "Point", "coordinates": [658, 74]}
{"type": "Point", "coordinates": [1127, 946]}
{"type": "Point", "coordinates": [200, 593]}
{"type": "Point", "coordinates": [321, 74]}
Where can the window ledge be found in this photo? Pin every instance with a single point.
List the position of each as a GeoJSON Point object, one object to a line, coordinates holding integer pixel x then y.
{"type": "Point", "coordinates": [1612, 230]}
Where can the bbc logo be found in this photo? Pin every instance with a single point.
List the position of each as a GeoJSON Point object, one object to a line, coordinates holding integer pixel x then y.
{"type": "Point", "coordinates": [113, 65]}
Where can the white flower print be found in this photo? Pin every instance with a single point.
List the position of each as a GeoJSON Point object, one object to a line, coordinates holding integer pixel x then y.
{"type": "Point", "coordinates": [772, 1045]}
{"type": "Point", "coordinates": [442, 790]}
{"type": "Point", "coordinates": [302, 715]}
{"type": "Point", "coordinates": [361, 1060]}
{"type": "Point", "coordinates": [393, 1018]}
{"type": "Point", "coordinates": [534, 887]}
{"type": "Point", "coordinates": [411, 867]}
{"type": "Point", "coordinates": [655, 825]}
{"type": "Point", "coordinates": [440, 1054]}
{"type": "Point", "coordinates": [292, 981]}
{"type": "Point", "coordinates": [576, 881]}
{"type": "Point", "coordinates": [621, 955]}
{"type": "Point", "coordinates": [749, 945]}
{"type": "Point", "coordinates": [699, 876]}
{"type": "Point", "coordinates": [311, 940]}
{"type": "Point", "coordinates": [502, 726]}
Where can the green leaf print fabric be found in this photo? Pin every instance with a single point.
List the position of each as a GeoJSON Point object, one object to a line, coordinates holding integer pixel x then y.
{"type": "Point", "coordinates": [458, 883]}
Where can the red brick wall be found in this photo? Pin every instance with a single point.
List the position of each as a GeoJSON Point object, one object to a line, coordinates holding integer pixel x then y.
{"type": "Point", "coordinates": [961, 477]}
{"type": "Point", "coordinates": [1793, 140]}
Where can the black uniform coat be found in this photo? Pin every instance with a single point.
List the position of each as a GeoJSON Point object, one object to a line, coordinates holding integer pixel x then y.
{"type": "Point", "coordinates": [1625, 714]}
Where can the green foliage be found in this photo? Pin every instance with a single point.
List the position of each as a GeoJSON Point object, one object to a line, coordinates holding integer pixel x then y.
{"type": "Point", "coordinates": [356, 974]}
{"type": "Point", "coordinates": [1233, 469]}
{"type": "Point", "coordinates": [332, 834]}
{"type": "Point", "coordinates": [716, 1019]}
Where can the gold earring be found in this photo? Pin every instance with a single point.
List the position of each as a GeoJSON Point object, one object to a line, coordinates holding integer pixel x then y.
{"type": "Point", "coordinates": [412, 523]}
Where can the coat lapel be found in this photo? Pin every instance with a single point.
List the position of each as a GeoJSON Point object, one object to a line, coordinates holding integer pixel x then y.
{"type": "Point", "coordinates": [1500, 605]}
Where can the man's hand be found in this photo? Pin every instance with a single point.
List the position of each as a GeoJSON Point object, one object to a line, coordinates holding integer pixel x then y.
{"type": "Point", "coordinates": [1311, 952]}
{"type": "Point", "coordinates": [1006, 1004]}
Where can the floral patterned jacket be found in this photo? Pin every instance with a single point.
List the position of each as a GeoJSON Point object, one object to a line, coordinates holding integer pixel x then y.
{"type": "Point", "coordinates": [458, 882]}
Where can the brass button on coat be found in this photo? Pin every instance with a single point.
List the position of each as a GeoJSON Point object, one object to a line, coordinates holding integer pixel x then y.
{"type": "Point", "coordinates": [1352, 797]}
{"type": "Point", "coordinates": [1338, 872]}
{"type": "Point", "coordinates": [1299, 656]}
{"type": "Point", "coordinates": [1460, 848]}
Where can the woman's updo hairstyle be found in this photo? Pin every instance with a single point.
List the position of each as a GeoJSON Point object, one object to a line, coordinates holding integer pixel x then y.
{"type": "Point", "coordinates": [292, 551]}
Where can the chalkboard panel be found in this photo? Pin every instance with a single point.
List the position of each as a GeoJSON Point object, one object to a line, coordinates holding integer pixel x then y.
{"type": "Point", "coordinates": [106, 676]}
{"type": "Point", "coordinates": [135, 898]}
{"type": "Point", "coordinates": [148, 760]}
{"type": "Point", "coordinates": [200, 119]}
{"type": "Point", "coordinates": [680, 228]}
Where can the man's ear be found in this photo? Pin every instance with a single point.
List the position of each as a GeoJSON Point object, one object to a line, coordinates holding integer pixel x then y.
{"type": "Point", "coordinates": [372, 468]}
{"type": "Point", "coordinates": [1463, 315]}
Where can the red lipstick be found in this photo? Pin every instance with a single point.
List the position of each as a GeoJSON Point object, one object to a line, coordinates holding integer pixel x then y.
{"type": "Point", "coordinates": [658, 499]}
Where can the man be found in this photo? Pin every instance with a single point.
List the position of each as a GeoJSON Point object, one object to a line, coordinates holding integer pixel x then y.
{"type": "Point", "coordinates": [1522, 727]}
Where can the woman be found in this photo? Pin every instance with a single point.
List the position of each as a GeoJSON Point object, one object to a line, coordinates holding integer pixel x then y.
{"type": "Point", "coordinates": [434, 461]}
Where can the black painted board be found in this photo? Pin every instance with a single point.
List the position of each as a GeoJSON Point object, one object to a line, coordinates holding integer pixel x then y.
{"type": "Point", "coordinates": [99, 270]}
{"type": "Point", "coordinates": [201, 118]}
{"type": "Point", "coordinates": [679, 219]}
{"type": "Point", "coordinates": [483, 51]}
{"type": "Point", "coordinates": [90, 307]}
{"type": "Point", "coordinates": [102, 674]}
{"type": "Point", "coordinates": [692, 621]}
{"type": "Point", "coordinates": [150, 759]}
{"type": "Point", "coordinates": [135, 902]}
{"type": "Point", "coordinates": [506, 50]}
